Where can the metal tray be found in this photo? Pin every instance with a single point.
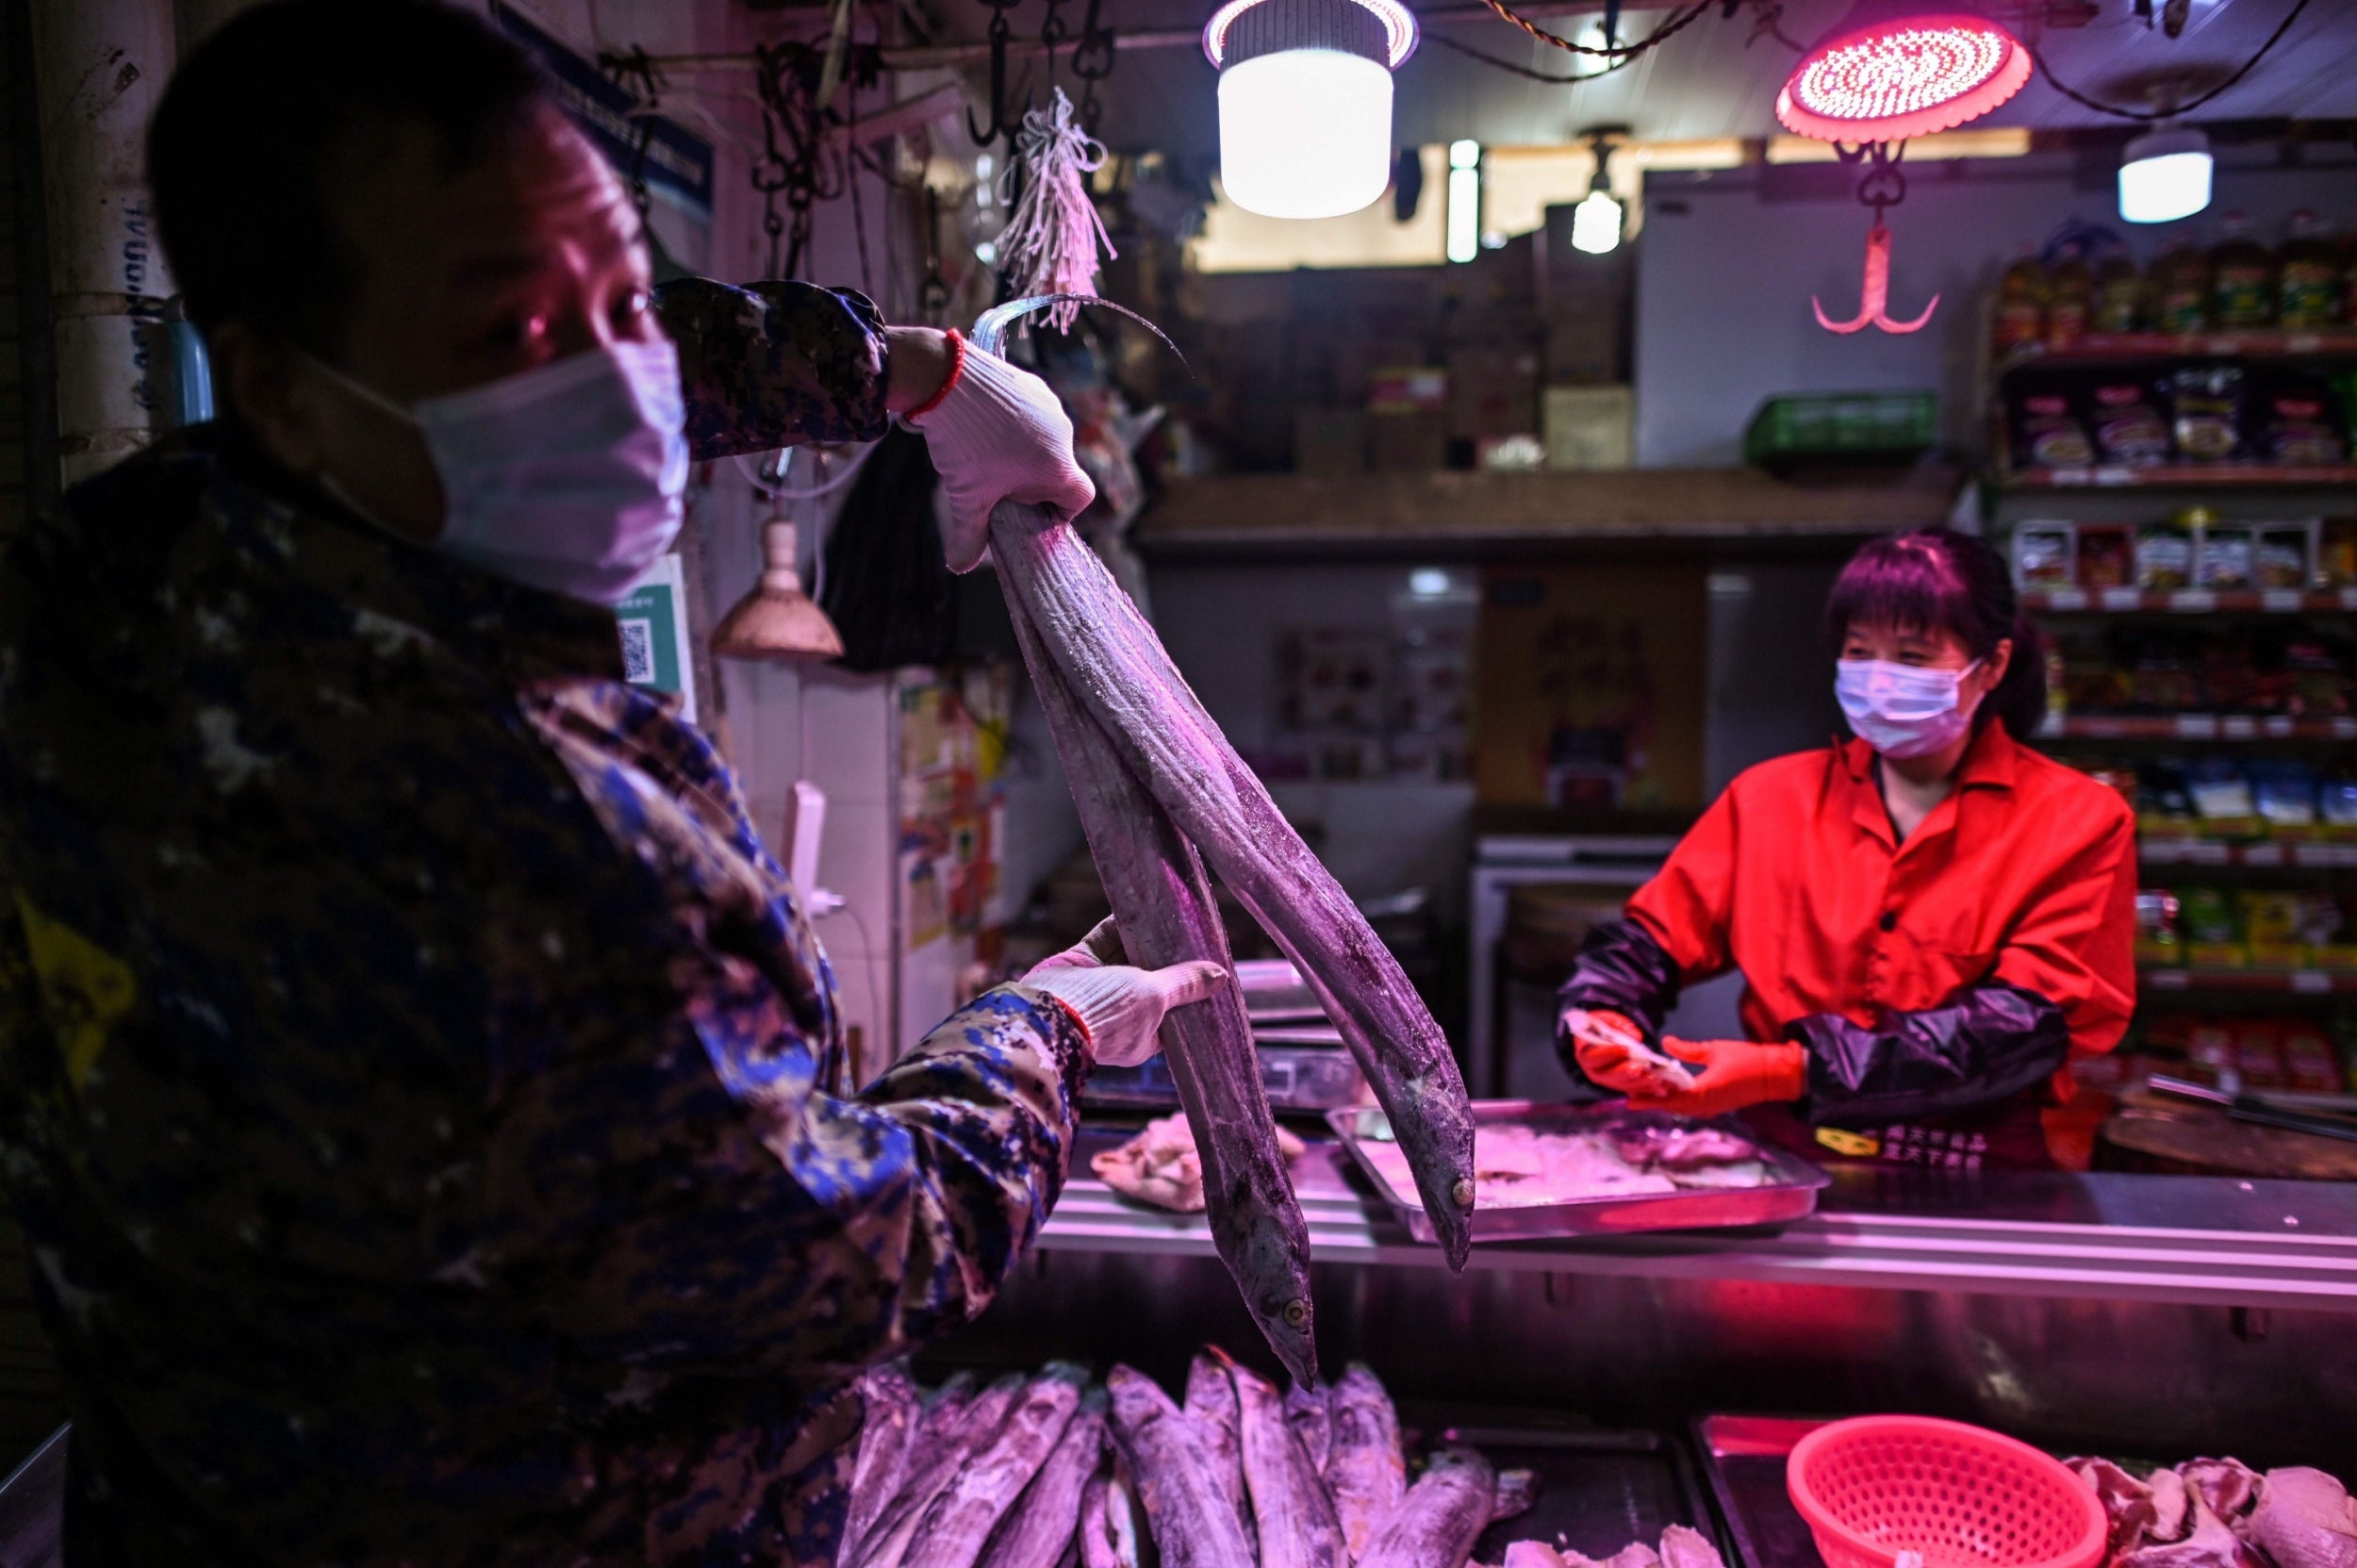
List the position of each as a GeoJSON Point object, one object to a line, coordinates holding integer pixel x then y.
{"type": "Point", "coordinates": [1743, 1460]}
{"type": "Point", "coordinates": [1596, 1491]}
{"type": "Point", "coordinates": [1789, 1193]}
{"type": "Point", "coordinates": [1298, 1077]}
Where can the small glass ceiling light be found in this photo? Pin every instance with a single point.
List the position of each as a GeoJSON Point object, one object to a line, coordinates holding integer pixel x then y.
{"type": "Point", "coordinates": [2165, 175]}
{"type": "Point", "coordinates": [1896, 69]}
{"type": "Point", "coordinates": [1465, 200]}
{"type": "Point", "coordinates": [1596, 221]}
{"type": "Point", "coordinates": [1305, 101]}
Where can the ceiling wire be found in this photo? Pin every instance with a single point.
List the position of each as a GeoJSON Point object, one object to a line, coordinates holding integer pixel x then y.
{"type": "Point", "coordinates": [2189, 105]}
{"type": "Point", "coordinates": [1620, 55]}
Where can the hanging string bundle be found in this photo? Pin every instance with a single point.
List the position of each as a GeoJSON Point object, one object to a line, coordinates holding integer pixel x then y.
{"type": "Point", "coordinates": [1050, 242]}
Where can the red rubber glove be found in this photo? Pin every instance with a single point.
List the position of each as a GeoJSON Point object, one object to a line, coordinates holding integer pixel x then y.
{"type": "Point", "coordinates": [1601, 1043]}
{"type": "Point", "coordinates": [1730, 1074]}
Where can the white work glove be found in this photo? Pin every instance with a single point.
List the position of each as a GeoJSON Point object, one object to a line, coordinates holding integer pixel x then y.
{"type": "Point", "coordinates": [1120, 1008]}
{"type": "Point", "coordinates": [998, 435]}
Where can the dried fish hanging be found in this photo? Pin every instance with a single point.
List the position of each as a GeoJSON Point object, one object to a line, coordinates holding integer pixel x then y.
{"type": "Point", "coordinates": [1049, 246]}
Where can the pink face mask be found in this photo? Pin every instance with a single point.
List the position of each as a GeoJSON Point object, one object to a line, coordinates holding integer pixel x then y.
{"type": "Point", "coordinates": [1903, 710]}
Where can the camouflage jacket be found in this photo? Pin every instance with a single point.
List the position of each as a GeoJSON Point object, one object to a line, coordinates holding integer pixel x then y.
{"type": "Point", "coordinates": [418, 1083]}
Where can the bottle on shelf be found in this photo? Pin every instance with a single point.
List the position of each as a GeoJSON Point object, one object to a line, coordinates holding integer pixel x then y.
{"type": "Point", "coordinates": [2308, 276]}
{"type": "Point", "coordinates": [2021, 294]}
{"type": "Point", "coordinates": [2070, 299]}
{"type": "Point", "coordinates": [2242, 278]}
{"type": "Point", "coordinates": [2119, 295]}
{"type": "Point", "coordinates": [2180, 290]}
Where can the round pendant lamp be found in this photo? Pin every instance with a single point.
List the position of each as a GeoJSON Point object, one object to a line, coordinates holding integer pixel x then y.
{"type": "Point", "coordinates": [1305, 101]}
{"type": "Point", "coordinates": [1896, 69]}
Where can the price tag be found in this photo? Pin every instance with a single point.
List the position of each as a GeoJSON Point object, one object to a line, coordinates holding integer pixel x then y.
{"type": "Point", "coordinates": [2349, 598]}
{"type": "Point", "coordinates": [2277, 726]}
{"type": "Point", "coordinates": [2072, 476]}
{"type": "Point", "coordinates": [2312, 982]}
{"type": "Point", "coordinates": [2238, 727]}
{"type": "Point", "coordinates": [2112, 476]}
{"type": "Point", "coordinates": [2167, 980]}
{"type": "Point", "coordinates": [2263, 855]}
{"type": "Point", "coordinates": [2193, 601]}
{"type": "Point", "coordinates": [2065, 599]}
{"type": "Point", "coordinates": [2303, 342]}
{"type": "Point", "coordinates": [2203, 852]}
{"type": "Point", "coordinates": [2280, 601]}
{"type": "Point", "coordinates": [2122, 598]}
{"type": "Point", "coordinates": [2345, 729]}
{"type": "Point", "coordinates": [2197, 726]}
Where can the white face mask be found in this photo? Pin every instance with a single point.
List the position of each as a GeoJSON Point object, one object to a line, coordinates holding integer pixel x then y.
{"type": "Point", "coordinates": [567, 476]}
{"type": "Point", "coordinates": [1903, 710]}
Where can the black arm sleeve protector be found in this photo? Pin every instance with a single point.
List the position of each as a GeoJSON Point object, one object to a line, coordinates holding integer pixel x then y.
{"type": "Point", "coordinates": [1988, 1044]}
{"type": "Point", "coordinates": [1622, 968]}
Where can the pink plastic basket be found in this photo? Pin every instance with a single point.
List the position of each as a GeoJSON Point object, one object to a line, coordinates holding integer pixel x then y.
{"type": "Point", "coordinates": [1962, 1496]}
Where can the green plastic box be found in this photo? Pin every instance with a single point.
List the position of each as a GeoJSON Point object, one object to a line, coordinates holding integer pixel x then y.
{"type": "Point", "coordinates": [1802, 426]}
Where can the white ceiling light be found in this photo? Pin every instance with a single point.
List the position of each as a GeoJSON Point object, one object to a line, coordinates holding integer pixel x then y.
{"type": "Point", "coordinates": [1596, 221]}
{"type": "Point", "coordinates": [1465, 200]}
{"type": "Point", "coordinates": [1305, 101]}
{"type": "Point", "coordinates": [2165, 175]}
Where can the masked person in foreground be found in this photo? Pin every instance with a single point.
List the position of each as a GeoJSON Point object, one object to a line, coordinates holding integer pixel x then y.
{"type": "Point", "coordinates": [421, 1089]}
{"type": "Point", "coordinates": [1931, 919]}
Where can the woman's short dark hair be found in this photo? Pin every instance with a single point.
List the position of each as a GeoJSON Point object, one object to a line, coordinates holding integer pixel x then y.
{"type": "Point", "coordinates": [1939, 579]}
{"type": "Point", "coordinates": [241, 147]}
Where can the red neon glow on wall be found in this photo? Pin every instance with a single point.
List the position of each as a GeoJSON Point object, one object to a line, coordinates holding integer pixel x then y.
{"type": "Point", "coordinates": [1902, 79]}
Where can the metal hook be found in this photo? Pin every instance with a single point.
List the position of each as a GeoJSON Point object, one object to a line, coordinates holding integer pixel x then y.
{"type": "Point", "coordinates": [1000, 33]}
{"type": "Point", "coordinates": [1875, 291]}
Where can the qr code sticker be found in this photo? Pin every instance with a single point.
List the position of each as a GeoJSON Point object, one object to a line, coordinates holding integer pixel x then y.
{"type": "Point", "coordinates": [639, 652]}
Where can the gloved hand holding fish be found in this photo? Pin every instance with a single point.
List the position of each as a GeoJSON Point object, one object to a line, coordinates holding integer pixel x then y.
{"type": "Point", "coordinates": [1162, 795]}
{"type": "Point", "coordinates": [1612, 1052]}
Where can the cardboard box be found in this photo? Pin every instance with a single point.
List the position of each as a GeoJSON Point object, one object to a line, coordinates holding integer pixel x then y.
{"type": "Point", "coordinates": [1407, 443]}
{"type": "Point", "coordinates": [1493, 391]}
{"type": "Point", "coordinates": [1408, 389]}
{"type": "Point", "coordinates": [1329, 443]}
{"type": "Point", "coordinates": [1590, 427]}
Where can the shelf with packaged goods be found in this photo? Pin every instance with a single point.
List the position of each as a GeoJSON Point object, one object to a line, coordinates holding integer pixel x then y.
{"type": "Point", "coordinates": [2304, 983]}
{"type": "Point", "coordinates": [2183, 476]}
{"type": "Point", "coordinates": [2341, 601]}
{"type": "Point", "coordinates": [2113, 348]}
{"type": "Point", "coordinates": [2197, 726]}
{"type": "Point", "coordinates": [2261, 855]}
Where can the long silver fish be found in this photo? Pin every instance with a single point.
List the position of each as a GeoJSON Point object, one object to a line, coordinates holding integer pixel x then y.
{"type": "Point", "coordinates": [1039, 1528]}
{"type": "Point", "coordinates": [1436, 1523]}
{"type": "Point", "coordinates": [1107, 1534]}
{"type": "Point", "coordinates": [1309, 1410]}
{"type": "Point", "coordinates": [893, 1411]}
{"type": "Point", "coordinates": [1292, 1515]}
{"type": "Point", "coordinates": [1193, 1525]}
{"type": "Point", "coordinates": [1089, 632]}
{"type": "Point", "coordinates": [945, 1449]}
{"type": "Point", "coordinates": [1165, 913]}
{"type": "Point", "coordinates": [1211, 1406]}
{"type": "Point", "coordinates": [1367, 1470]}
{"type": "Point", "coordinates": [958, 1524]}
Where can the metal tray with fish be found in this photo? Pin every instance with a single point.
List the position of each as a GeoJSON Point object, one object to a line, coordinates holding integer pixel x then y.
{"type": "Point", "coordinates": [1594, 1170]}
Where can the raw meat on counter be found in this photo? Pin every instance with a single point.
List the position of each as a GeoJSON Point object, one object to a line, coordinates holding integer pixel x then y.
{"type": "Point", "coordinates": [1047, 1470]}
{"type": "Point", "coordinates": [1520, 1167]}
{"type": "Point", "coordinates": [1680, 1548]}
{"type": "Point", "coordinates": [2220, 1514]}
{"type": "Point", "coordinates": [1162, 1167]}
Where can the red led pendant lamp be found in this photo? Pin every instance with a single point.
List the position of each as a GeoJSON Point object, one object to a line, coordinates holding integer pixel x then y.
{"type": "Point", "coordinates": [1895, 68]}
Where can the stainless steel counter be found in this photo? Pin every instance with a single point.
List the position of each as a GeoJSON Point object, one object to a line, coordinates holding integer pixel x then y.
{"type": "Point", "coordinates": [2185, 1240]}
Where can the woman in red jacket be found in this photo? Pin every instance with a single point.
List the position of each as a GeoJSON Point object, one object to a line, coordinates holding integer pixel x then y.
{"type": "Point", "coordinates": [1930, 918]}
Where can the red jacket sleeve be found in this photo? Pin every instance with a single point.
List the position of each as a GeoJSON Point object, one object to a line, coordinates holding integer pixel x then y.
{"type": "Point", "coordinates": [2075, 941]}
{"type": "Point", "coordinates": [1688, 906]}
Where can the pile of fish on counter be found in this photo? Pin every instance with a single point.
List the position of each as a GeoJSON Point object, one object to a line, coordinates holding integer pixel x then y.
{"type": "Point", "coordinates": [1051, 1471]}
{"type": "Point", "coordinates": [2220, 1514]}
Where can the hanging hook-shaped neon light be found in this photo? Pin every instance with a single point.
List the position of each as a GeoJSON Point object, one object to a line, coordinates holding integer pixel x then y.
{"type": "Point", "coordinates": [1874, 294]}
{"type": "Point", "coordinates": [1884, 186]}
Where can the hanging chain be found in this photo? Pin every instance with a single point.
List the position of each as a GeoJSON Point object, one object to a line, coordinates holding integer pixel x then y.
{"type": "Point", "coordinates": [1052, 34]}
{"type": "Point", "coordinates": [1093, 61]}
{"type": "Point", "coordinates": [796, 164]}
{"type": "Point", "coordinates": [1882, 185]}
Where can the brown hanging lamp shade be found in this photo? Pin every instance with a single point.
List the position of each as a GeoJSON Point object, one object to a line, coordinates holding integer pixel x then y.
{"type": "Point", "coordinates": [776, 620]}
